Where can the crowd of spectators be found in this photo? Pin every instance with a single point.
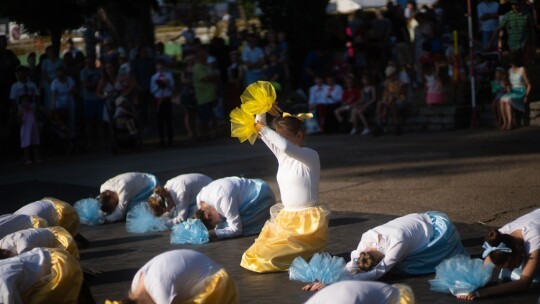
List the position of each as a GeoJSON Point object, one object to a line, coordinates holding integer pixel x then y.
{"type": "Point", "coordinates": [109, 96]}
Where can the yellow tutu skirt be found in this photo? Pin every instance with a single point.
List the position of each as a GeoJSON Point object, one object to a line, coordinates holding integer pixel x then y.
{"type": "Point", "coordinates": [64, 240]}
{"type": "Point", "coordinates": [286, 236]}
{"type": "Point", "coordinates": [406, 295]}
{"type": "Point", "coordinates": [62, 285]}
{"type": "Point", "coordinates": [67, 216]}
{"type": "Point", "coordinates": [39, 222]}
{"type": "Point", "coordinates": [220, 288]}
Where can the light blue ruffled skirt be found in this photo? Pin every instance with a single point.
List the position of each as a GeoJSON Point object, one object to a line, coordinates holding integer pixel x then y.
{"type": "Point", "coordinates": [140, 220]}
{"type": "Point", "coordinates": [255, 211]}
{"type": "Point", "coordinates": [444, 244]}
{"type": "Point", "coordinates": [322, 268]}
{"type": "Point", "coordinates": [191, 231]}
{"type": "Point", "coordinates": [516, 97]}
{"type": "Point", "coordinates": [144, 194]}
{"type": "Point", "coordinates": [89, 211]}
{"type": "Point", "coordinates": [461, 275]}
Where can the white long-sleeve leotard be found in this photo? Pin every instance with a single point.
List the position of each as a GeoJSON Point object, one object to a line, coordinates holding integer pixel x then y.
{"type": "Point", "coordinates": [184, 189]}
{"type": "Point", "coordinates": [176, 274]}
{"type": "Point", "coordinates": [225, 195]}
{"type": "Point", "coordinates": [10, 223]}
{"type": "Point", "coordinates": [28, 239]}
{"type": "Point", "coordinates": [127, 186]}
{"type": "Point", "coordinates": [298, 173]}
{"type": "Point", "coordinates": [43, 208]}
{"type": "Point", "coordinates": [396, 240]}
{"type": "Point", "coordinates": [18, 274]}
{"type": "Point", "coordinates": [530, 227]}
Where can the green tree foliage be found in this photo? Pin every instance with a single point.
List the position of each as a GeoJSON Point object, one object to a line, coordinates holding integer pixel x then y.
{"type": "Point", "coordinates": [303, 21]}
{"type": "Point", "coordinates": [54, 16]}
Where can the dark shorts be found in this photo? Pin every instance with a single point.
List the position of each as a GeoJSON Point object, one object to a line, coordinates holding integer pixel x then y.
{"type": "Point", "coordinates": [204, 112]}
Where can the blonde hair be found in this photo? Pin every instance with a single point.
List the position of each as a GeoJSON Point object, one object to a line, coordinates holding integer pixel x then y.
{"type": "Point", "coordinates": [157, 201]}
{"type": "Point", "coordinates": [367, 260]}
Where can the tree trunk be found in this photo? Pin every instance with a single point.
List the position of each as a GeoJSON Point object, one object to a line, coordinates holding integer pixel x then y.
{"type": "Point", "coordinates": [56, 36]}
{"type": "Point", "coordinates": [130, 23]}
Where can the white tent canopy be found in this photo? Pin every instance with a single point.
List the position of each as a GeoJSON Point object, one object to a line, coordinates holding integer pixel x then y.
{"type": "Point", "coordinates": [349, 6]}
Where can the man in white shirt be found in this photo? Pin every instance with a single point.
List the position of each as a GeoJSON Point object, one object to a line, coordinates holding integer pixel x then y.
{"type": "Point", "coordinates": [253, 57]}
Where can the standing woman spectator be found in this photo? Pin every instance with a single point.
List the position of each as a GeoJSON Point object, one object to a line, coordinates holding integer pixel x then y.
{"type": "Point", "coordinates": [48, 73]}
{"type": "Point", "coordinates": [299, 226]}
{"type": "Point", "coordinates": [63, 91]}
{"type": "Point", "coordinates": [488, 17]}
{"type": "Point", "coordinates": [24, 95]}
{"type": "Point", "coordinates": [187, 96]}
{"type": "Point", "coordinates": [161, 87]}
{"type": "Point", "coordinates": [143, 68]}
{"type": "Point", "coordinates": [519, 92]}
{"type": "Point", "coordinates": [204, 82]}
{"type": "Point", "coordinates": [92, 104]}
{"type": "Point", "coordinates": [515, 249]}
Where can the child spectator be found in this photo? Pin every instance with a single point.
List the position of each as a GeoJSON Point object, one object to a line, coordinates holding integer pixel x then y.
{"type": "Point", "coordinates": [360, 110]}
{"type": "Point", "coordinates": [433, 85]}
{"type": "Point", "coordinates": [124, 115]}
{"type": "Point", "coordinates": [317, 99]}
{"type": "Point", "coordinates": [499, 86]}
{"type": "Point", "coordinates": [392, 95]}
{"type": "Point", "coordinates": [24, 93]}
{"type": "Point", "coordinates": [63, 90]}
{"type": "Point", "coordinates": [351, 97]}
{"type": "Point", "coordinates": [161, 87]}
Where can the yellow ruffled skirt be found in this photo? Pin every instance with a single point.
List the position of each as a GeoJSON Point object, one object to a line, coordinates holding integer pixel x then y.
{"type": "Point", "coordinates": [64, 240]}
{"type": "Point", "coordinates": [39, 222]}
{"type": "Point", "coordinates": [406, 295]}
{"type": "Point", "coordinates": [220, 288]}
{"type": "Point", "coordinates": [286, 236]}
{"type": "Point", "coordinates": [67, 216]}
{"type": "Point", "coordinates": [62, 285]}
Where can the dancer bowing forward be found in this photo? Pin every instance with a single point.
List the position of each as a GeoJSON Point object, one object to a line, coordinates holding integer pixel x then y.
{"type": "Point", "coordinates": [299, 226]}
{"type": "Point", "coordinates": [515, 248]}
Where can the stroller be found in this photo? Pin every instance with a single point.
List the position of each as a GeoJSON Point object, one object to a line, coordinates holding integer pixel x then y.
{"type": "Point", "coordinates": [117, 107]}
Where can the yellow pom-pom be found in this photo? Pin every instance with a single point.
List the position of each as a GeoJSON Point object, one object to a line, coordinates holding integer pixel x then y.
{"type": "Point", "coordinates": [243, 126]}
{"type": "Point", "coordinates": [258, 97]}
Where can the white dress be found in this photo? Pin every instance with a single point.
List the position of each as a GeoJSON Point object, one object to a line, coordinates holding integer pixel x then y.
{"type": "Point", "coordinates": [175, 273]}
{"type": "Point", "coordinates": [298, 173]}
{"type": "Point", "coordinates": [355, 292]}
{"type": "Point", "coordinates": [184, 189]}
{"type": "Point", "coordinates": [28, 239]}
{"type": "Point", "coordinates": [127, 186]}
{"type": "Point", "coordinates": [20, 273]}
{"type": "Point", "coordinates": [10, 223]}
{"type": "Point", "coordinates": [396, 240]}
{"type": "Point", "coordinates": [226, 195]}
{"type": "Point", "coordinates": [43, 208]}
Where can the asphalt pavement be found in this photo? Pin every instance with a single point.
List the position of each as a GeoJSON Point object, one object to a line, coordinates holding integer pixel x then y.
{"type": "Point", "coordinates": [481, 178]}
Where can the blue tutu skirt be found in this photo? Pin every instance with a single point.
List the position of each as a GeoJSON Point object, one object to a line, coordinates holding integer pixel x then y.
{"type": "Point", "coordinates": [89, 211]}
{"type": "Point", "coordinates": [516, 97]}
{"type": "Point", "coordinates": [144, 194]}
{"type": "Point", "coordinates": [256, 211]}
{"type": "Point", "coordinates": [191, 231]}
{"type": "Point", "coordinates": [515, 274]}
{"type": "Point", "coordinates": [444, 244]}
{"type": "Point", "coordinates": [322, 268]}
{"type": "Point", "coordinates": [140, 220]}
{"type": "Point", "coordinates": [461, 275]}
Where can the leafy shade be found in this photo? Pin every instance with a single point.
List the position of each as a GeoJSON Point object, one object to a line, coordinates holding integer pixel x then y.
{"type": "Point", "coordinates": [38, 15]}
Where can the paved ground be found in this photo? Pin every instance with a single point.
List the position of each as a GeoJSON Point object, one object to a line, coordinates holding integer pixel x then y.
{"type": "Point", "coordinates": [480, 178]}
